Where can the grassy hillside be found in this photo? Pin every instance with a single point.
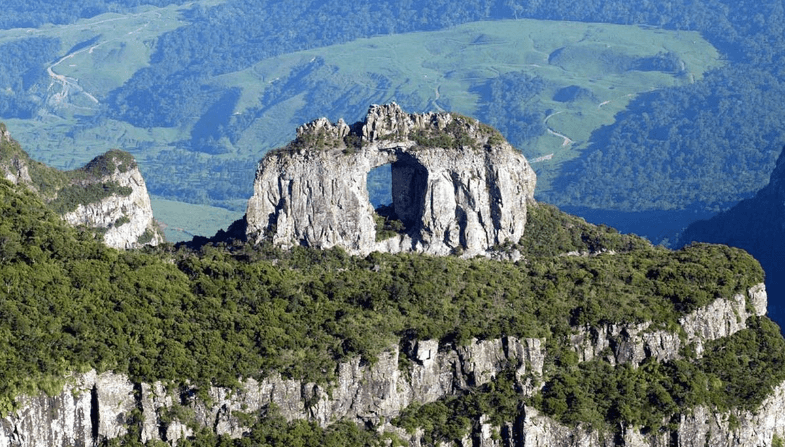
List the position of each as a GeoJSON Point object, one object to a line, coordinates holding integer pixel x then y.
{"type": "Point", "coordinates": [183, 221]}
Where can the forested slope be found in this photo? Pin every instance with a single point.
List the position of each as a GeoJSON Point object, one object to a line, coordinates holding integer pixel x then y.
{"type": "Point", "coordinates": [756, 225]}
{"type": "Point", "coordinates": [34, 13]}
{"type": "Point", "coordinates": [230, 312]}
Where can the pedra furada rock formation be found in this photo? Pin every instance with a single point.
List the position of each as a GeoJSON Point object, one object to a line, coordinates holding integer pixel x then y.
{"type": "Point", "coordinates": [457, 186]}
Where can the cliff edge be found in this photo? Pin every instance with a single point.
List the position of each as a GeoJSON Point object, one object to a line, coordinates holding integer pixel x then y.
{"type": "Point", "coordinates": [756, 225]}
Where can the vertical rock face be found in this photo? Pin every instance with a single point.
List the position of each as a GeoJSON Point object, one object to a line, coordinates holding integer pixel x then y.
{"type": "Point", "coordinates": [13, 162]}
{"type": "Point", "coordinates": [633, 343]}
{"type": "Point", "coordinates": [94, 407]}
{"type": "Point", "coordinates": [456, 185]}
{"type": "Point", "coordinates": [91, 408]}
{"type": "Point", "coordinates": [127, 219]}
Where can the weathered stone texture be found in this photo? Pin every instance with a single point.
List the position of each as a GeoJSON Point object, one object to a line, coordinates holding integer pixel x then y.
{"type": "Point", "coordinates": [107, 213]}
{"type": "Point", "coordinates": [633, 343]}
{"type": "Point", "coordinates": [468, 197]}
{"type": "Point", "coordinates": [93, 408]}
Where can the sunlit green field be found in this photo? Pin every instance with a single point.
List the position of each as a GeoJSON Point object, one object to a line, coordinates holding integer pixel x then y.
{"type": "Point", "coordinates": [182, 221]}
{"type": "Point", "coordinates": [444, 67]}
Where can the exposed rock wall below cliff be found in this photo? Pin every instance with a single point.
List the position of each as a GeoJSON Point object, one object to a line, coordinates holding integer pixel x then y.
{"type": "Point", "coordinates": [633, 343]}
{"type": "Point", "coordinates": [96, 407]}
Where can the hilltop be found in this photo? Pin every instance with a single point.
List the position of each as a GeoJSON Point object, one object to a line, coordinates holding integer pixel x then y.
{"type": "Point", "coordinates": [108, 195]}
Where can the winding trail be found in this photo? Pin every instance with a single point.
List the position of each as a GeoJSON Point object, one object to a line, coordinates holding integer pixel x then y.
{"type": "Point", "coordinates": [70, 86]}
{"type": "Point", "coordinates": [66, 83]}
{"type": "Point", "coordinates": [567, 141]}
{"type": "Point", "coordinates": [438, 95]}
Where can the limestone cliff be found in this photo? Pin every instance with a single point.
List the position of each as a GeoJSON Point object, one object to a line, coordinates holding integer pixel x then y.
{"type": "Point", "coordinates": [633, 343]}
{"type": "Point", "coordinates": [126, 218]}
{"type": "Point", "coordinates": [97, 407]}
{"type": "Point", "coordinates": [457, 186]}
{"type": "Point", "coordinates": [108, 194]}
{"type": "Point", "coordinates": [13, 161]}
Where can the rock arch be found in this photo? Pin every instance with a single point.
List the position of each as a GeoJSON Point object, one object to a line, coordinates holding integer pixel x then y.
{"type": "Point", "coordinates": [457, 185]}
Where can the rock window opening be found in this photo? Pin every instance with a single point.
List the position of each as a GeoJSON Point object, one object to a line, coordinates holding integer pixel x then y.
{"type": "Point", "coordinates": [379, 185]}
{"type": "Point", "coordinates": [400, 211]}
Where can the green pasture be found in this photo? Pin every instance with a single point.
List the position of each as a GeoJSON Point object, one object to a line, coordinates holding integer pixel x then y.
{"type": "Point", "coordinates": [444, 68]}
{"type": "Point", "coordinates": [182, 221]}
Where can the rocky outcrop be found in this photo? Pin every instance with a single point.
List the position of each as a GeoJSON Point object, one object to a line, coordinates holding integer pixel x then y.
{"type": "Point", "coordinates": [13, 165]}
{"type": "Point", "coordinates": [701, 427]}
{"type": "Point", "coordinates": [96, 407]}
{"type": "Point", "coordinates": [90, 408]}
{"type": "Point", "coordinates": [705, 427]}
{"type": "Point", "coordinates": [624, 343]}
{"type": "Point", "coordinates": [633, 343]}
{"type": "Point", "coordinates": [457, 186]}
{"type": "Point", "coordinates": [108, 194]}
{"type": "Point", "coordinates": [126, 218]}
{"type": "Point", "coordinates": [370, 394]}
{"type": "Point", "coordinates": [723, 318]}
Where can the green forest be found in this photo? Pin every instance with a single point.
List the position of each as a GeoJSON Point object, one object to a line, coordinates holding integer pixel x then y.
{"type": "Point", "coordinates": [34, 13]}
{"type": "Point", "coordinates": [209, 315]}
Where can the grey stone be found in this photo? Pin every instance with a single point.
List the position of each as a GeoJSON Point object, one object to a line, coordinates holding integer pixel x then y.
{"type": "Point", "coordinates": [469, 197]}
{"type": "Point", "coordinates": [135, 207]}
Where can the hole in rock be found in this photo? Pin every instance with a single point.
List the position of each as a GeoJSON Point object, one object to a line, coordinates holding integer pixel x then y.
{"type": "Point", "coordinates": [409, 181]}
{"type": "Point", "coordinates": [397, 192]}
{"type": "Point", "coordinates": [380, 186]}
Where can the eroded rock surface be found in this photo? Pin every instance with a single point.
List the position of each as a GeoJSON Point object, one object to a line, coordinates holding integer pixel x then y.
{"type": "Point", "coordinates": [634, 343]}
{"type": "Point", "coordinates": [127, 219]}
{"type": "Point", "coordinates": [457, 185]}
{"type": "Point", "coordinates": [94, 407]}
{"type": "Point", "coordinates": [97, 407]}
{"type": "Point", "coordinates": [124, 216]}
